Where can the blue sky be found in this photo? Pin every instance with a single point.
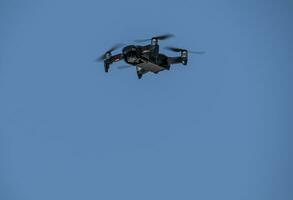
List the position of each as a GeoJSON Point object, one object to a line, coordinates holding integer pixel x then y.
{"type": "Point", "coordinates": [218, 128]}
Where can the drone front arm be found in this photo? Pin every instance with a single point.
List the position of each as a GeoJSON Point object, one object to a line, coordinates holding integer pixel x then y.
{"type": "Point", "coordinates": [116, 58]}
{"type": "Point", "coordinates": [174, 60]}
{"type": "Point", "coordinates": [177, 60]}
{"type": "Point", "coordinates": [112, 59]}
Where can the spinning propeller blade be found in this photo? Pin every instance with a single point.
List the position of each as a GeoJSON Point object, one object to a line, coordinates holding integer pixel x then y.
{"type": "Point", "coordinates": [175, 49]}
{"type": "Point", "coordinates": [159, 37]}
{"type": "Point", "coordinates": [103, 57]}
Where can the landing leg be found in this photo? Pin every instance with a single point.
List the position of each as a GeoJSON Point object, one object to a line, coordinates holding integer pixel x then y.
{"type": "Point", "coordinates": [184, 61]}
{"type": "Point", "coordinates": [140, 72]}
{"type": "Point", "coordinates": [106, 66]}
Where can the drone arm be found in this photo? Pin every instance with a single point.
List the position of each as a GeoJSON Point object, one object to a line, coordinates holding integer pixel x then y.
{"type": "Point", "coordinates": [116, 58]}
{"type": "Point", "coordinates": [112, 59]}
{"type": "Point", "coordinates": [147, 48]}
{"type": "Point", "coordinates": [175, 60]}
{"type": "Point", "coordinates": [180, 59]}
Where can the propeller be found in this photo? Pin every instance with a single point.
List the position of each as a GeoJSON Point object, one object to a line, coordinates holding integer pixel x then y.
{"type": "Point", "coordinates": [175, 49]}
{"type": "Point", "coordinates": [159, 37]}
{"type": "Point", "coordinates": [124, 67]}
{"type": "Point", "coordinates": [104, 56]}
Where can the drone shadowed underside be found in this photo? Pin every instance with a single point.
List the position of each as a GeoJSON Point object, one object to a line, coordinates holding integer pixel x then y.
{"type": "Point", "coordinates": [146, 58]}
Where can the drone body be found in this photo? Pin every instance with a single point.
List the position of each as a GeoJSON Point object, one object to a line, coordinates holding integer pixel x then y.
{"type": "Point", "coordinates": [145, 58]}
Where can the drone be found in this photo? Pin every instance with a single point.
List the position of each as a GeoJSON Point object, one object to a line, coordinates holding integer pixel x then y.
{"type": "Point", "coordinates": [146, 58]}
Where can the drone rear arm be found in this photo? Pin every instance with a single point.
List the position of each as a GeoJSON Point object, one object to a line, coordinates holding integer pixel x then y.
{"type": "Point", "coordinates": [149, 48]}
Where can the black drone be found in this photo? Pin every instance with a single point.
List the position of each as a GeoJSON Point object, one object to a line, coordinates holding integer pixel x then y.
{"type": "Point", "coordinates": [146, 58]}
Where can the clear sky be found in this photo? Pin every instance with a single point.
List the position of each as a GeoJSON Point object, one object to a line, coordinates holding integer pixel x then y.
{"type": "Point", "coordinates": [215, 129]}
